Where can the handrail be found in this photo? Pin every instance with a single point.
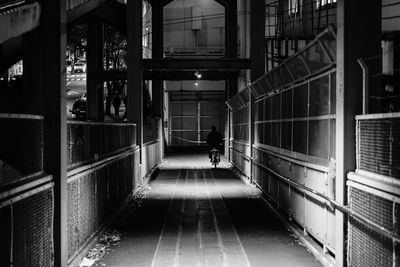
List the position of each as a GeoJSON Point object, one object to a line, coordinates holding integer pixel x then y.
{"type": "Point", "coordinates": [100, 123]}
{"type": "Point", "coordinates": [365, 85]}
{"type": "Point", "coordinates": [334, 204]}
{"type": "Point", "coordinates": [20, 116]}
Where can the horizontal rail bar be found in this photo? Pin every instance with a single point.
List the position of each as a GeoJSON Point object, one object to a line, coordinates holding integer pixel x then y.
{"type": "Point", "coordinates": [381, 182]}
{"type": "Point", "coordinates": [296, 161]}
{"type": "Point", "coordinates": [365, 221]}
{"type": "Point", "coordinates": [100, 123]}
{"type": "Point", "coordinates": [24, 187]}
{"type": "Point", "coordinates": [239, 152]}
{"type": "Point", "coordinates": [20, 116]}
{"type": "Point", "coordinates": [239, 142]}
{"type": "Point", "coordinates": [89, 168]}
{"type": "Point", "coordinates": [322, 117]}
{"type": "Point", "coordinates": [26, 194]}
{"type": "Point", "coordinates": [392, 115]}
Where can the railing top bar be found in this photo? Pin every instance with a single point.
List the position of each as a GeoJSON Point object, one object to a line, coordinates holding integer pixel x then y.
{"type": "Point", "coordinates": [345, 209]}
{"type": "Point", "coordinates": [316, 40]}
{"type": "Point", "coordinates": [378, 116]}
{"type": "Point", "coordinates": [151, 142]}
{"type": "Point", "coordinates": [20, 116]}
{"type": "Point", "coordinates": [100, 123]}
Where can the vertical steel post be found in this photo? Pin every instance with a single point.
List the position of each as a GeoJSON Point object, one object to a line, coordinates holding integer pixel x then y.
{"type": "Point", "coordinates": [257, 57]}
{"type": "Point", "coordinates": [135, 69]}
{"type": "Point", "coordinates": [52, 73]}
{"type": "Point", "coordinates": [157, 53]}
{"type": "Point", "coordinates": [358, 35]}
{"type": "Point", "coordinates": [95, 91]}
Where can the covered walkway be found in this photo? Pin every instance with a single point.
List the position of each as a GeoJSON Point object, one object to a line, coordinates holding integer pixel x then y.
{"type": "Point", "coordinates": [197, 216]}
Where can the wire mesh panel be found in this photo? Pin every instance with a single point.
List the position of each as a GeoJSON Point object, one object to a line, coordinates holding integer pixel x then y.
{"type": "Point", "coordinates": [365, 246]}
{"type": "Point", "coordinates": [32, 219]}
{"type": "Point", "coordinates": [378, 144]}
{"type": "Point", "coordinates": [88, 141]}
{"type": "Point", "coordinates": [192, 114]}
{"type": "Point", "coordinates": [93, 198]}
{"type": "Point", "coordinates": [21, 146]}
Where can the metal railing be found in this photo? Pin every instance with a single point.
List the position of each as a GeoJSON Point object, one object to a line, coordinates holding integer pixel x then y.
{"type": "Point", "coordinates": [381, 91]}
{"type": "Point", "coordinates": [306, 18]}
{"type": "Point", "coordinates": [181, 52]}
{"type": "Point", "coordinates": [88, 141]}
{"type": "Point", "coordinates": [21, 147]}
{"type": "Point", "coordinates": [316, 57]}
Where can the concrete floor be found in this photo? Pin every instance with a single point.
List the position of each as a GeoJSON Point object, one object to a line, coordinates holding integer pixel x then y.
{"type": "Point", "coordinates": [197, 216]}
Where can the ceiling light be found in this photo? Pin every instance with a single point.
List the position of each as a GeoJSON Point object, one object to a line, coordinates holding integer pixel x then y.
{"type": "Point", "coordinates": [198, 74]}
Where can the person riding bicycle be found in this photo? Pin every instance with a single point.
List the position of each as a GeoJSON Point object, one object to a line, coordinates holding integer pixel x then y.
{"type": "Point", "coordinates": [214, 140]}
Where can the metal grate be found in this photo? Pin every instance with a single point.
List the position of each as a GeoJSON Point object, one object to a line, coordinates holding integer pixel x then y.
{"type": "Point", "coordinates": [21, 149]}
{"type": "Point", "coordinates": [88, 141]}
{"type": "Point", "coordinates": [376, 209]}
{"type": "Point", "coordinates": [378, 146]}
{"type": "Point", "coordinates": [365, 247]}
{"type": "Point", "coordinates": [33, 230]}
{"type": "Point", "coordinates": [93, 197]}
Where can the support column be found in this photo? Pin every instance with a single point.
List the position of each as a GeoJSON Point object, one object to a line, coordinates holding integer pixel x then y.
{"type": "Point", "coordinates": [135, 69]}
{"type": "Point", "coordinates": [53, 70]}
{"type": "Point", "coordinates": [95, 90]}
{"type": "Point", "coordinates": [31, 101]}
{"type": "Point", "coordinates": [257, 57]}
{"type": "Point", "coordinates": [231, 29]}
{"type": "Point", "coordinates": [352, 42]}
{"type": "Point", "coordinates": [157, 52]}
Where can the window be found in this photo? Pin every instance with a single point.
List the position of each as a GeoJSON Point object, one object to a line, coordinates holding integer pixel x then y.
{"type": "Point", "coordinates": [293, 6]}
{"type": "Point", "coordinates": [322, 3]}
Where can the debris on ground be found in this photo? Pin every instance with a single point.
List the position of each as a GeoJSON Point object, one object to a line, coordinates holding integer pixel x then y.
{"type": "Point", "coordinates": [112, 236]}
{"type": "Point", "coordinates": [103, 246]}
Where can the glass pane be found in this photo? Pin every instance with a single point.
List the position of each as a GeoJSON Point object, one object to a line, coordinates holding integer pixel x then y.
{"type": "Point", "coordinates": [267, 133]}
{"type": "Point", "coordinates": [300, 138]}
{"type": "Point", "coordinates": [297, 68]}
{"type": "Point", "coordinates": [276, 107]}
{"type": "Point", "coordinates": [284, 75]}
{"type": "Point", "coordinates": [267, 109]}
{"type": "Point", "coordinates": [287, 135]}
{"type": "Point", "coordinates": [287, 104]}
{"type": "Point", "coordinates": [315, 58]}
{"type": "Point", "coordinates": [319, 97]}
{"type": "Point", "coordinates": [276, 134]}
{"type": "Point", "coordinates": [265, 85]}
{"type": "Point", "coordinates": [319, 138]}
{"type": "Point", "coordinates": [300, 100]}
{"type": "Point", "coordinates": [329, 41]}
{"type": "Point", "coordinates": [333, 139]}
{"type": "Point", "coordinates": [333, 93]}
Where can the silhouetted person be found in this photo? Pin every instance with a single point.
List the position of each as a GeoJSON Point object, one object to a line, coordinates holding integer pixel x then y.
{"type": "Point", "coordinates": [214, 140]}
{"type": "Point", "coordinates": [116, 104]}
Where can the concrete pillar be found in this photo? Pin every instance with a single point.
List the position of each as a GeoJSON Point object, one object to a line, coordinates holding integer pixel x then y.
{"type": "Point", "coordinates": [157, 52]}
{"type": "Point", "coordinates": [135, 69]}
{"type": "Point", "coordinates": [52, 72]}
{"type": "Point", "coordinates": [353, 41]}
{"type": "Point", "coordinates": [257, 57]}
{"type": "Point", "coordinates": [95, 90]}
{"type": "Point", "coordinates": [231, 28]}
{"type": "Point", "coordinates": [257, 39]}
{"type": "Point", "coordinates": [31, 100]}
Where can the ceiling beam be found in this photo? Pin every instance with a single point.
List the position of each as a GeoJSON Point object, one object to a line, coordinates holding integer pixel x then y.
{"type": "Point", "coordinates": [231, 64]}
{"type": "Point", "coordinates": [115, 75]}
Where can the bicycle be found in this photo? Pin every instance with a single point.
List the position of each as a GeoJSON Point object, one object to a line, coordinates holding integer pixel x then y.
{"type": "Point", "coordinates": [215, 157]}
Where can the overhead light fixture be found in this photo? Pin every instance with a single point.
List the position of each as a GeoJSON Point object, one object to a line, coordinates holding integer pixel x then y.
{"type": "Point", "coordinates": [198, 74]}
